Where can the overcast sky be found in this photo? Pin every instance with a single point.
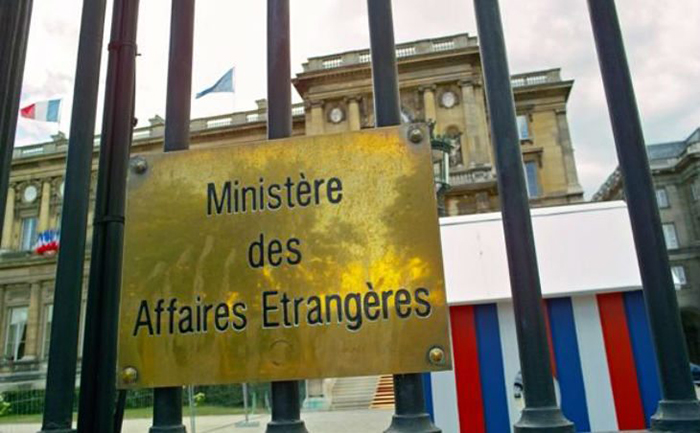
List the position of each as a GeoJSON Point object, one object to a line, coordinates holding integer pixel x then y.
{"type": "Point", "coordinates": [662, 38]}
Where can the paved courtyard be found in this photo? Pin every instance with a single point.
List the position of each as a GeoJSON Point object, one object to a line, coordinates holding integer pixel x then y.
{"type": "Point", "coordinates": [359, 421]}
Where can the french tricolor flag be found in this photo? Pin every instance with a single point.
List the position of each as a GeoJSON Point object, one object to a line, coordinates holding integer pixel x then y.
{"type": "Point", "coordinates": [46, 111]}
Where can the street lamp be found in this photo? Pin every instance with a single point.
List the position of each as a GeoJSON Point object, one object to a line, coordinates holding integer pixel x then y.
{"type": "Point", "coordinates": [441, 146]}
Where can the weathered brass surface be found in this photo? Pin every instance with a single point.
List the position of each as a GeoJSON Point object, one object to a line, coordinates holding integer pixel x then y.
{"type": "Point", "coordinates": [196, 293]}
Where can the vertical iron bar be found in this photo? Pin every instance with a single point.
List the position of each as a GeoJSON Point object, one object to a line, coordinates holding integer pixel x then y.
{"type": "Point", "coordinates": [678, 409]}
{"type": "Point", "coordinates": [63, 351]}
{"type": "Point", "coordinates": [541, 412]}
{"type": "Point", "coordinates": [410, 415]}
{"type": "Point", "coordinates": [285, 394]}
{"type": "Point", "coordinates": [119, 411]}
{"type": "Point", "coordinates": [98, 375]}
{"type": "Point", "coordinates": [167, 402]}
{"type": "Point", "coordinates": [15, 19]}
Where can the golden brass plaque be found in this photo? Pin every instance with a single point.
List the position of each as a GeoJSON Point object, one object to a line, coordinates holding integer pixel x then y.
{"type": "Point", "coordinates": [300, 258]}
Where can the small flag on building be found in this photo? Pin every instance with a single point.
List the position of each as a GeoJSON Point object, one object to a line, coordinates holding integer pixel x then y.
{"type": "Point", "coordinates": [46, 111]}
{"type": "Point", "coordinates": [225, 84]}
{"type": "Point", "coordinates": [47, 242]}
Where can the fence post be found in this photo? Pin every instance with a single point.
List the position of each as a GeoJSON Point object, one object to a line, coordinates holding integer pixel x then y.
{"type": "Point", "coordinates": [285, 394]}
{"type": "Point", "coordinates": [678, 409]}
{"type": "Point", "coordinates": [98, 374]}
{"type": "Point", "coordinates": [541, 413]}
{"type": "Point", "coordinates": [410, 415]}
{"type": "Point", "coordinates": [15, 19]}
{"type": "Point", "coordinates": [63, 350]}
{"type": "Point", "coordinates": [167, 402]}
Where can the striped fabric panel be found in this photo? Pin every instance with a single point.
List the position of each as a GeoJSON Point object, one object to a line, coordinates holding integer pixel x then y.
{"type": "Point", "coordinates": [444, 396]}
{"type": "Point", "coordinates": [428, 394]}
{"type": "Point", "coordinates": [493, 386]}
{"type": "Point", "coordinates": [511, 357]}
{"type": "Point", "coordinates": [467, 371]}
{"type": "Point", "coordinates": [594, 364]}
{"type": "Point", "coordinates": [621, 365]}
{"type": "Point", "coordinates": [643, 350]}
{"type": "Point", "coordinates": [567, 356]}
{"type": "Point", "coordinates": [602, 349]}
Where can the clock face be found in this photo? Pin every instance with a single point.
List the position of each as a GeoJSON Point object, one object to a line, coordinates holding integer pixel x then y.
{"type": "Point", "coordinates": [336, 115]}
{"type": "Point", "coordinates": [30, 193]}
{"type": "Point", "coordinates": [449, 99]}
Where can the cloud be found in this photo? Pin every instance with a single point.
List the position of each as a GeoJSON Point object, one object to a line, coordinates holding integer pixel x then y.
{"type": "Point", "coordinates": [662, 40]}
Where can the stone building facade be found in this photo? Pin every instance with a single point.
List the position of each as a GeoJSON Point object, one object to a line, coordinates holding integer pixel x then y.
{"type": "Point", "coordinates": [440, 80]}
{"type": "Point", "coordinates": [675, 168]}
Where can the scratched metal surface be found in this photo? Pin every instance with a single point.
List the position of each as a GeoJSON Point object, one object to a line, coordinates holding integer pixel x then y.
{"type": "Point", "coordinates": [384, 231]}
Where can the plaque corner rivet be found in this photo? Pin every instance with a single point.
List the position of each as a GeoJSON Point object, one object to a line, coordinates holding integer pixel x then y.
{"type": "Point", "coordinates": [436, 355]}
{"type": "Point", "coordinates": [139, 165]}
{"type": "Point", "coordinates": [415, 134]}
{"type": "Point", "coordinates": [130, 375]}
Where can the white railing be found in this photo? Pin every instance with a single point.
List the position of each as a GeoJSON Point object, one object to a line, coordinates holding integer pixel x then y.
{"type": "Point", "coordinates": [406, 52]}
{"type": "Point", "coordinates": [141, 134]}
{"type": "Point", "coordinates": [333, 63]}
{"type": "Point", "coordinates": [218, 123]}
{"type": "Point", "coordinates": [530, 80]}
{"type": "Point", "coordinates": [443, 46]}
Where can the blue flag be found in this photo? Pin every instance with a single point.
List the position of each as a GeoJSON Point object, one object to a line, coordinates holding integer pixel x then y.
{"type": "Point", "coordinates": [225, 84]}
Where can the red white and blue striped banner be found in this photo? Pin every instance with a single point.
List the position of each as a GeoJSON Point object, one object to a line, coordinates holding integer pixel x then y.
{"type": "Point", "coordinates": [602, 359]}
{"type": "Point", "coordinates": [46, 111]}
{"type": "Point", "coordinates": [47, 242]}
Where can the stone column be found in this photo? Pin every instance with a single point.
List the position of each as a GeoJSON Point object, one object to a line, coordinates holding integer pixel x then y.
{"type": "Point", "coordinates": [567, 152]}
{"type": "Point", "coordinates": [429, 104]}
{"type": "Point", "coordinates": [476, 135]}
{"type": "Point", "coordinates": [317, 120]}
{"type": "Point", "coordinates": [44, 206]}
{"type": "Point", "coordinates": [31, 347]}
{"type": "Point", "coordinates": [354, 122]}
{"type": "Point", "coordinates": [3, 320]}
{"type": "Point", "coordinates": [316, 396]}
{"type": "Point", "coordinates": [9, 221]}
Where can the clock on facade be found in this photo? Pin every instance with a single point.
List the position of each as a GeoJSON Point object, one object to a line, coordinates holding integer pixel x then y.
{"type": "Point", "coordinates": [336, 115]}
{"type": "Point", "coordinates": [30, 194]}
{"type": "Point", "coordinates": [448, 99]}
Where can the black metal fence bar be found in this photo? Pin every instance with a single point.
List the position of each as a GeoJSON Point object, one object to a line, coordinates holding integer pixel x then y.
{"type": "Point", "coordinates": [63, 351]}
{"type": "Point", "coordinates": [678, 409]}
{"type": "Point", "coordinates": [98, 375]}
{"type": "Point", "coordinates": [410, 414]}
{"type": "Point", "coordinates": [286, 416]}
{"type": "Point", "coordinates": [541, 413]}
{"type": "Point", "coordinates": [15, 19]}
{"type": "Point", "coordinates": [167, 404]}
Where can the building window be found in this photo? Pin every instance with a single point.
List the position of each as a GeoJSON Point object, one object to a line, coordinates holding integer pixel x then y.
{"type": "Point", "coordinates": [662, 198]}
{"type": "Point", "coordinates": [523, 128]}
{"type": "Point", "coordinates": [533, 186]}
{"type": "Point", "coordinates": [695, 190]}
{"type": "Point", "coordinates": [679, 275]}
{"type": "Point", "coordinates": [16, 333]}
{"type": "Point", "coordinates": [670, 236]}
{"type": "Point", "coordinates": [48, 318]}
{"type": "Point", "coordinates": [29, 234]}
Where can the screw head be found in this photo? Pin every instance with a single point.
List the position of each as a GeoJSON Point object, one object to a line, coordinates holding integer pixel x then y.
{"type": "Point", "coordinates": [436, 356]}
{"type": "Point", "coordinates": [139, 165]}
{"type": "Point", "coordinates": [415, 135]}
{"type": "Point", "coordinates": [130, 375]}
